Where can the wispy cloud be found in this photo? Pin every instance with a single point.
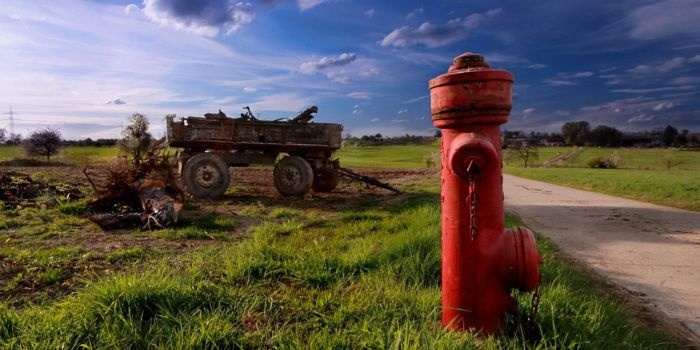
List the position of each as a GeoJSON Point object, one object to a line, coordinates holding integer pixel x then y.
{"type": "Point", "coordinates": [323, 63]}
{"type": "Point", "coordinates": [664, 67]}
{"type": "Point", "coordinates": [665, 105]}
{"type": "Point", "coordinates": [434, 35]}
{"type": "Point", "coordinates": [414, 100]}
{"type": "Point", "coordinates": [308, 4]}
{"type": "Point", "coordinates": [360, 95]}
{"type": "Point", "coordinates": [415, 13]}
{"type": "Point", "coordinates": [664, 19]}
{"type": "Point", "coordinates": [655, 90]}
{"type": "Point", "coordinates": [558, 82]}
{"type": "Point", "coordinates": [641, 118]}
{"type": "Point", "coordinates": [369, 13]}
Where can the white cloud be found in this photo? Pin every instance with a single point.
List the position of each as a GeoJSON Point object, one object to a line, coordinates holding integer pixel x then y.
{"type": "Point", "coordinates": [432, 35]}
{"type": "Point", "coordinates": [694, 59]}
{"type": "Point", "coordinates": [614, 82]}
{"type": "Point", "coordinates": [686, 80]}
{"type": "Point", "coordinates": [399, 121]}
{"type": "Point", "coordinates": [307, 4]}
{"type": "Point", "coordinates": [250, 89]}
{"type": "Point", "coordinates": [201, 17]}
{"type": "Point", "coordinates": [374, 120]}
{"type": "Point", "coordinates": [339, 77]}
{"type": "Point", "coordinates": [577, 75]}
{"type": "Point", "coordinates": [369, 13]}
{"type": "Point", "coordinates": [414, 100]}
{"type": "Point", "coordinates": [402, 111]}
{"type": "Point", "coordinates": [357, 109]}
{"type": "Point", "coordinates": [312, 67]}
{"type": "Point", "coordinates": [360, 95]}
{"type": "Point", "coordinates": [559, 82]}
{"type": "Point", "coordinates": [117, 101]}
{"type": "Point", "coordinates": [665, 19]}
{"type": "Point", "coordinates": [415, 13]}
{"type": "Point", "coordinates": [659, 89]}
{"type": "Point", "coordinates": [664, 105]}
{"type": "Point", "coordinates": [131, 9]}
{"type": "Point", "coordinates": [664, 67]}
{"type": "Point", "coordinates": [537, 66]}
{"type": "Point", "coordinates": [641, 118]}
{"type": "Point", "coordinates": [528, 112]}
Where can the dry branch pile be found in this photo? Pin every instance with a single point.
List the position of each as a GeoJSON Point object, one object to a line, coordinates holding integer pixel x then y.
{"type": "Point", "coordinates": [146, 194]}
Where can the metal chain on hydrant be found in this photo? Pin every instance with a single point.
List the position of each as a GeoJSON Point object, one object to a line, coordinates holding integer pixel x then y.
{"type": "Point", "coordinates": [473, 201]}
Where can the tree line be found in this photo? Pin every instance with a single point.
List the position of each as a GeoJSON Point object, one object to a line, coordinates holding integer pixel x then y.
{"type": "Point", "coordinates": [579, 133]}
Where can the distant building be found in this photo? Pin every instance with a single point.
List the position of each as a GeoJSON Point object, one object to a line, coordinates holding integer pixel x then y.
{"type": "Point", "coordinates": [551, 141]}
{"type": "Point", "coordinates": [641, 140]}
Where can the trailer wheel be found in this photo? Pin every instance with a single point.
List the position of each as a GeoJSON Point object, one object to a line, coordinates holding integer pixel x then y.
{"type": "Point", "coordinates": [206, 176]}
{"type": "Point", "coordinates": [325, 180]}
{"type": "Point", "coordinates": [293, 176]}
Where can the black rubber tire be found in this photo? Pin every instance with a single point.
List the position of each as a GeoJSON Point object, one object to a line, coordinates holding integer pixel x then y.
{"type": "Point", "coordinates": [206, 176]}
{"type": "Point", "coordinates": [293, 176]}
{"type": "Point", "coordinates": [325, 180]}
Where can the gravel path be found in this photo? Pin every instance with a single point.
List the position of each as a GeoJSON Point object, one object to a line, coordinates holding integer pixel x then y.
{"type": "Point", "coordinates": [651, 251]}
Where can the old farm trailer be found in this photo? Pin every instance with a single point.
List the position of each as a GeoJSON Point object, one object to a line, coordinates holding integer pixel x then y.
{"type": "Point", "coordinates": [302, 152]}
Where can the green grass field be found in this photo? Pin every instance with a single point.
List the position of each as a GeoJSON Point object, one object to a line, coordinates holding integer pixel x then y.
{"type": "Point", "coordinates": [405, 156]}
{"type": "Point", "coordinates": [367, 276]}
{"type": "Point", "coordinates": [632, 158]}
{"type": "Point", "coordinates": [71, 155]}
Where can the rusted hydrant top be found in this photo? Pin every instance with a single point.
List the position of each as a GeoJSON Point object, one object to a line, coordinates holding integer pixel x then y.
{"type": "Point", "coordinates": [471, 92]}
{"type": "Point", "coordinates": [469, 60]}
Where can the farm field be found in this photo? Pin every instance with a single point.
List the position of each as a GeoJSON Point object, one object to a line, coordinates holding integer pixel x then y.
{"type": "Point", "coordinates": [355, 268]}
{"type": "Point", "coordinates": [72, 155]}
{"type": "Point", "coordinates": [632, 158]}
{"type": "Point", "coordinates": [641, 176]}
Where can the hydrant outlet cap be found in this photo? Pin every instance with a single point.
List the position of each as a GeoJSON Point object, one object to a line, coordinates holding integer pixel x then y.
{"type": "Point", "coordinates": [469, 60]}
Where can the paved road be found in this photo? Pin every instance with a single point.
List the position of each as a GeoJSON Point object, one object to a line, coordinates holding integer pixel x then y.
{"type": "Point", "coordinates": [650, 250]}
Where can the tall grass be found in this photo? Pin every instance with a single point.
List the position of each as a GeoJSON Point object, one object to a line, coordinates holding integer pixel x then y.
{"type": "Point", "coordinates": [364, 278]}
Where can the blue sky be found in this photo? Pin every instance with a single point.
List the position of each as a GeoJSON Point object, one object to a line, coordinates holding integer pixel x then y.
{"type": "Point", "coordinates": [85, 66]}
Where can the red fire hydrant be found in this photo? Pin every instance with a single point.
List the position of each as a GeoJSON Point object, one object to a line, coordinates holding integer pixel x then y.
{"type": "Point", "coordinates": [481, 261]}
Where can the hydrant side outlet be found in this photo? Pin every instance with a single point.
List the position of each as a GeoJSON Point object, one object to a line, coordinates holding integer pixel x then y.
{"type": "Point", "coordinates": [481, 261]}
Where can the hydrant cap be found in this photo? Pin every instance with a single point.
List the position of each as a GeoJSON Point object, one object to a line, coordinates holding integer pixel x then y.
{"type": "Point", "coordinates": [469, 60]}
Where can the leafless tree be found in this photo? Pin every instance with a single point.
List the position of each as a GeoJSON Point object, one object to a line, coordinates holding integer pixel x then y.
{"type": "Point", "coordinates": [43, 142]}
{"type": "Point", "coordinates": [524, 151]}
{"type": "Point", "coordinates": [670, 162]}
